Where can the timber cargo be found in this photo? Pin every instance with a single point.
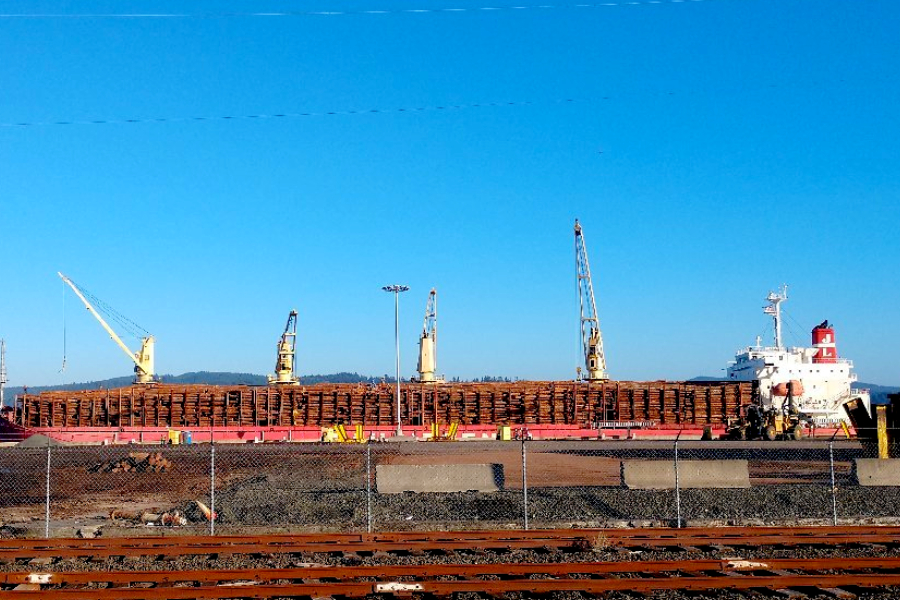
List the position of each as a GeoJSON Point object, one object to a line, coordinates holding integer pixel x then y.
{"type": "Point", "coordinates": [538, 406]}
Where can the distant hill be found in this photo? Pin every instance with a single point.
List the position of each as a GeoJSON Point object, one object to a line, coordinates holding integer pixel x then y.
{"type": "Point", "coordinates": [199, 377]}
{"type": "Point", "coordinates": [879, 393]}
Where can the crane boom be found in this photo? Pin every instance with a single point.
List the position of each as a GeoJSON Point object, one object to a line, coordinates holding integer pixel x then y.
{"type": "Point", "coordinates": [284, 364]}
{"type": "Point", "coordinates": [143, 359]}
{"type": "Point", "coordinates": [591, 337]}
{"type": "Point", "coordinates": [428, 341]}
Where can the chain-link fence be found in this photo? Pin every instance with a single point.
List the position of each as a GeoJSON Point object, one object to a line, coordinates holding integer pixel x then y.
{"type": "Point", "coordinates": [57, 490]}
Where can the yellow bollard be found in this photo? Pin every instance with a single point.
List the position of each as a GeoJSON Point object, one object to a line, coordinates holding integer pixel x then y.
{"type": "Point", "coordinates": [881, 428]}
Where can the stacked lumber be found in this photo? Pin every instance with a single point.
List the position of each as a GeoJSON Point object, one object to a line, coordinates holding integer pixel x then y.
{"type": "Point", "coordinates": [324, 405]}
{"type": "Point", "coordinates": [137, 462]}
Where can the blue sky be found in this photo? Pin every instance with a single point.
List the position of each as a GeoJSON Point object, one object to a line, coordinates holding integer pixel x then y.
{"type": "Point", "coordinates": [714, 151]}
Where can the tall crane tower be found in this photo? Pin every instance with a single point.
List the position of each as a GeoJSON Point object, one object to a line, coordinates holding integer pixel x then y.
{"type": "Point", "coordinates": [591, 338]}
{"type": "Point", "coordinates": [3, 379]}
{"type": "Point", "coordinates": [143, 358]}
{"type": "Point", "coordinates": [284, 365]}
{"type": "Point", "coordinates": [428, 341]}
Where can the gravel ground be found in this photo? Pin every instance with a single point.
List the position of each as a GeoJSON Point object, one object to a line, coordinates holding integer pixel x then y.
{"type": "Point", "coordinates": [265, 505]}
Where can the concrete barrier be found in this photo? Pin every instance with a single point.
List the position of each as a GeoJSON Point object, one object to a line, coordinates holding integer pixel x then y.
{"type": "Point", "coordinates": [396, 479]}
{"type": "Point", "coordinates": [877, 471]}
{"type": "Point", "coordinates": [660, 474]}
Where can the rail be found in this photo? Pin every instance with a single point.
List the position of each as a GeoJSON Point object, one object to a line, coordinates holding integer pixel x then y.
{"type": "Point", "coordinates": [828, 575]}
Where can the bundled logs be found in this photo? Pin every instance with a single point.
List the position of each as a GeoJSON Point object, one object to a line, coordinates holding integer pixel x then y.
{"type": "Point", "coordinates": [515, 403]}
{"type": "Point", "coordinates": [137, 462]}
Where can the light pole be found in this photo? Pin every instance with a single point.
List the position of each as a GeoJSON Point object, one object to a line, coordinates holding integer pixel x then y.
{"type": "Point", "coordinates": [396, 289]}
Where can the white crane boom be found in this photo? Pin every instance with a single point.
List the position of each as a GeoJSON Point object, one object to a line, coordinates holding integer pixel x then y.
{"type": "Point", "coordinates": [428, 341]}
{"type": "Point", "coordinates": [591, 338]}
{"type": "Point", "coordinates": [143, 359]}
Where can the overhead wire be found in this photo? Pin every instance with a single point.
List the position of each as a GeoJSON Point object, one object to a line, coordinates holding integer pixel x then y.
{"type": "Point", "coordinates": [396, 110]}
{"type": "Point", "coordinates": [115, 121]}
{"type": "Point", "coordinates": [334, 13]}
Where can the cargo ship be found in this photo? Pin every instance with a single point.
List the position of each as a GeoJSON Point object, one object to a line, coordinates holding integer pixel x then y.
{"type": "Point", "coordinates": [820, 382]}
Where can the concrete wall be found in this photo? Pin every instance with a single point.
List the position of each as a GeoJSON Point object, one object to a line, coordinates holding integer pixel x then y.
{"type": "Point", "coordinates": [396, 479]}
{"type": "Point", "coordinates": [660, 474]}
{"type": "Point", "coordinates": [877, 471]}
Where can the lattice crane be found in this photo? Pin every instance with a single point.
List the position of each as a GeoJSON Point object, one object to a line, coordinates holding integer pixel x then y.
{"type": "Point", "coordinates": [591, 338]}
{"type": "Point", "coordinates": [428, 341]}
{"type": "Point", "coordinates": [143, 358]}
{"type": "Point", "coordinates": [284, 365]}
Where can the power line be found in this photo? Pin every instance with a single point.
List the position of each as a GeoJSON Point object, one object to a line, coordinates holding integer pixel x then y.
{"type": "Point", "coordinates": [333, 13]}
{"type": "Point", "coordinates": [405, 110]}
{"type": "Point", "coordinates": [114, 121]}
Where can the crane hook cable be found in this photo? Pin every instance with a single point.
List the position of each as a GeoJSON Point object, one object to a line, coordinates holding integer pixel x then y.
{"type": "Point", "coordinates": [63, 368]}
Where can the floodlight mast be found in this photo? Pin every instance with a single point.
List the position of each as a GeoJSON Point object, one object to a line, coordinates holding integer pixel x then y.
{"type": "Point", "coordinates": [143, 359]}
{"type": "Point", "coordinates": [397, 289]}
{"type": "Point", "coordinates": [591, 337]}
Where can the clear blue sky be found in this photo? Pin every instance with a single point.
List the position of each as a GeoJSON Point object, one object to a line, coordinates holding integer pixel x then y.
{"type": "Point", "coordinates": [742, 144]}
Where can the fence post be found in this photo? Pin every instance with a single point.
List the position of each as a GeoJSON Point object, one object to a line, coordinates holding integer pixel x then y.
{"type": "Point", "coordinates": [525, 484]}
{"type": "Point", "coordinates": [677, 487]}
{"type": "Point", "coordinates": [368, 488]}
{"type": "Point", "coordinates": [212, 486]}
{"type": "Point", "coordinates": [47, 506]}
{"type": "Point", "coordinates": [834, 518]}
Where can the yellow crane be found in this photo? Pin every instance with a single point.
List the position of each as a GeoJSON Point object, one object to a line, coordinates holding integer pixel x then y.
{"type": "Point", "coordinates": [591, 338]}
{"type": "Point", "coordinates": [284, 365]}
{"type": "Point", "coordinates": [428, 341]}
{"type": "Point", "coordinates": [143, 358]}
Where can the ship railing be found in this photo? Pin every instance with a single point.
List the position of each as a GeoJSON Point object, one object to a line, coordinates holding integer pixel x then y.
{"type": "Point", "coordinates": [623, 424]}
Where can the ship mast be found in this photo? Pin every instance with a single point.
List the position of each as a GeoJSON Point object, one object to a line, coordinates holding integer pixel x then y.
{"type": "Point", "coordinates": [774, 308]}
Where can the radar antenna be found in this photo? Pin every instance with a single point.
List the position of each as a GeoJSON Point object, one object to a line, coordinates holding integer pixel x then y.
{"type": "Point", "coordinates": [774, 308]}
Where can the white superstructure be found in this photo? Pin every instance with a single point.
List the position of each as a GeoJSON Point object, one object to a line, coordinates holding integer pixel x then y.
{"type": "Point", "coordinates": [820, 381]}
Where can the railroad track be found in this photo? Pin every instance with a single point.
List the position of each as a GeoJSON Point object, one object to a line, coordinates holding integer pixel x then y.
{"type": "Point", "coordinates": [423, 543]}
{"type": "Point", "coordinates": [837, 577]}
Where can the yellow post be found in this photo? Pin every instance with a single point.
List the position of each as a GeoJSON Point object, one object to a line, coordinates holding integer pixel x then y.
{"type": "Point", "coordinates": [845, 429]}
{"type": "Point", "coordinates": [360, 433]}
{"type": "Point", "coordinates": [881, 418]}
